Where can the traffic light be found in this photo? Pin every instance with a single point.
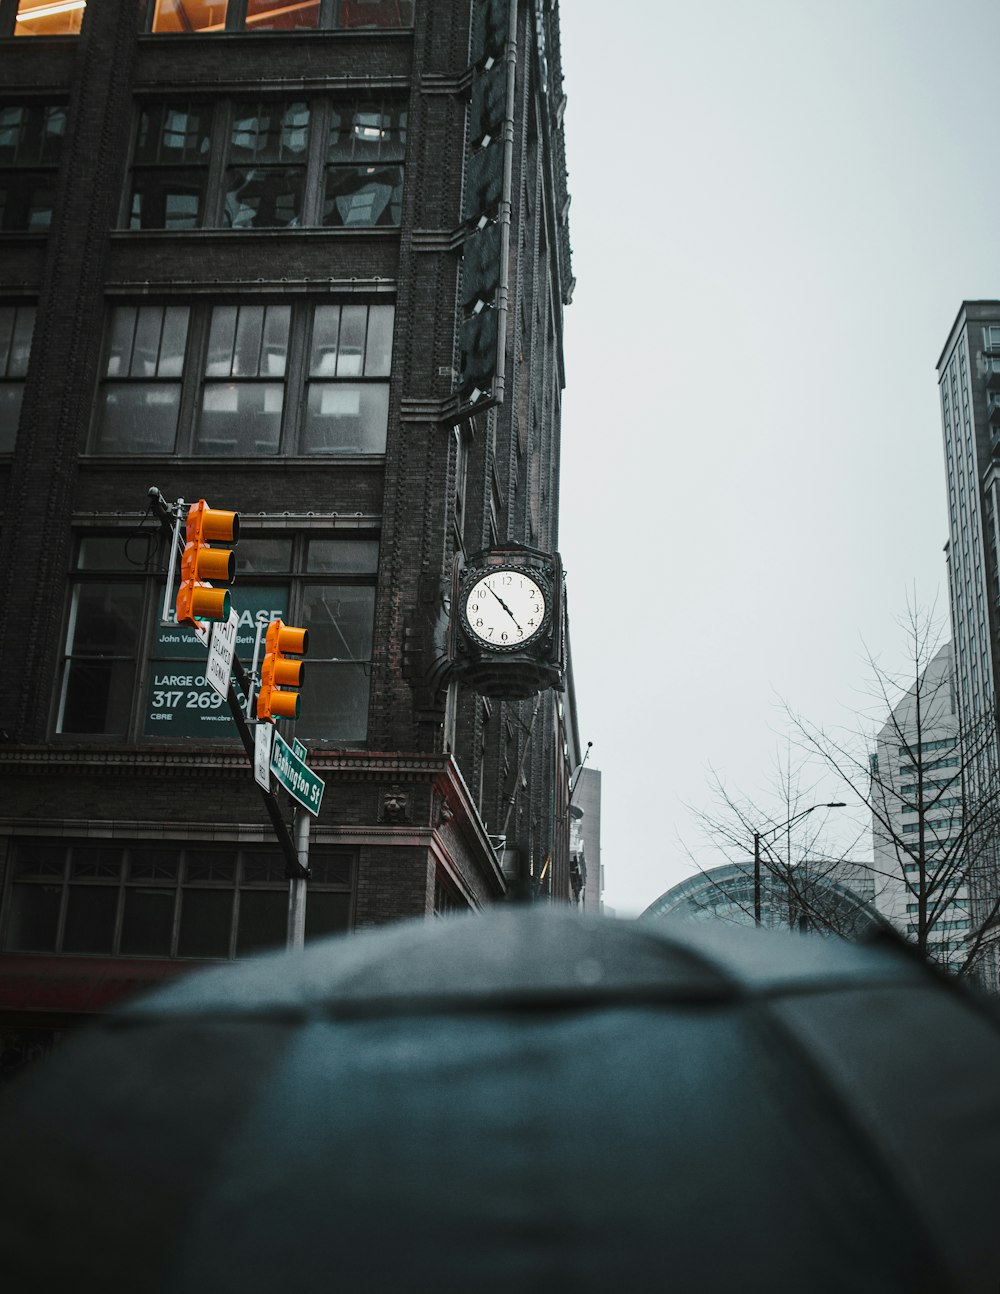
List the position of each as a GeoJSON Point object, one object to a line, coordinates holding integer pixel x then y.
{"type": "Point", "coordinates": [278, 672]}
{"type": "Point", "coordinates": [196, 598]}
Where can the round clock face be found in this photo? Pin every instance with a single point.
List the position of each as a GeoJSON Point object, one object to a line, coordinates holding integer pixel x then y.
{"type": "Point", "coordinates": [505, 609]}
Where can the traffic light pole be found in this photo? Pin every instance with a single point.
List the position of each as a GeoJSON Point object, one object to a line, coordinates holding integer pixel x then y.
{"type": "Point", "coordinates": [296, 870]}
{"type": "Point", "coordinates": [297, 884]}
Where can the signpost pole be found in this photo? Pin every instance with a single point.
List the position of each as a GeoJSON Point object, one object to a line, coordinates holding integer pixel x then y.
{"type": "Point", "coordinates": [297, 884]}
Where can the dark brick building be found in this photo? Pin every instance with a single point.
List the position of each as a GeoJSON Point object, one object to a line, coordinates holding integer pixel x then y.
{"type": "Point", "coordinates": [308, 261]}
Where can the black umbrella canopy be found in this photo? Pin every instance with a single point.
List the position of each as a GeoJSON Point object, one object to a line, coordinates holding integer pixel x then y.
{"type": "Point", "coordinates": [527, 1100]}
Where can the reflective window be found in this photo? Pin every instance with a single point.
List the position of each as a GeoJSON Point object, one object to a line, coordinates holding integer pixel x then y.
{"type": "Point", "coordinates": [211, 379]}
{"type": "Point", "coordinates": [31, 140]}
{"type": "Point", "coordinates": [188, 16]}
{"type": "Point", "coordinates": [139, 399]}
{"type": "Point", "coordinates": [170, 172]}
{"type": "Point", "coordinates": [268, 180]}
{"type": "Point", "coordinates": [16, 326]}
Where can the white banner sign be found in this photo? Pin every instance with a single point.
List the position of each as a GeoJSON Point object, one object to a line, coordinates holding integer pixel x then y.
{"type": "Point", "coordinates": [220, 654]}
{"type": "Point", "coordinates": [263, 736]}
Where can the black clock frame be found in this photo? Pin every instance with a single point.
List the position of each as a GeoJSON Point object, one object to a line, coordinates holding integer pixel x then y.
{"type": "Point", "coordinates": [471, 578]}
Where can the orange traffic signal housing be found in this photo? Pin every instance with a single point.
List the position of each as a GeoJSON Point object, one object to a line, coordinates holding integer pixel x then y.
{"type": "Point", "coordinates": [278, 672]}
{"type": "Point", "coordinates": [196, 598]}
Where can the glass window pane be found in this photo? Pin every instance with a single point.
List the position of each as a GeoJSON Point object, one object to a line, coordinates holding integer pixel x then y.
{"type": "Point", "coordinates": [20, 347]}
{"type": "Point", "coordinates": [42, 18]}
{"type": "Point", "coordinates": [374, 13]}
{"type": "Point", "coordinates": [263, 198]}
{"type": "Point", "coordinates": [378, 356]}
{"type": "Point", "coordinates": [103, 553]}
{"type": "Point", "coordinates": [327, 913]}
{"type": "Point", "coordinates": [277, 320]}
{"type": "Point", "coordinates": [173, 341]}
{"type": "Point", "coordinates": [346, 418]}
{"type": "Point", "coordinates": [11, 398]}
{"type": "Point", "coordinates": [147, 863]}
{"type": "Point", "coordinates": [345, 556]}
{"type": "Point", "coordinates": [221, 339]}
{"type": "Point", "coordinates": [173, 132]}
{"type": "Point", "coordinates": [257, 555]}
{"type": "Point", "coordinates": [104, 861]}
{"type": "Point", "coordinates": [167, 199]}
{"type": "Point", "coordinates": [146, 349]}
{"type": "Point", "coordinates": [34, 859]}
{"type": "Point", "coordinates": [148, 922]}
{"type": "Point", "coordinates": [206, 921]}
{"type": "Point", "coordinates": [336, 870]}
{"type": "Point", "coordinates": [90, 919]}
{"type": "Point", "coordinates": [104, 619]}
{"type": "Point", "coordinates": [34, 917]}
{"type": "Point", "coordinates": [282, 15]}
{"type": "Point", "coordinates": [139, 418]}
{"type": "Point", "coordinates": [189, 16]}
{"type": "Point", "coordinates": [12, 120]}
{"type": "Point", "coordinates": [261, 868]}
{"type": "Point", "coordinates": [240, 418]}
{"type": "Point", "coordinates": [249, 330]}
{"type": "Point", "coordinates": [263, 920]}
{"type": "Point", "coordinates": [97, 696]}
{"type": "Point", "coordinates": [326, 332]}
{"type": "Point", "coordinates": [340, 618]}
{"type": "Point", "coordinates": [210, 865]}
{"type": "Point", "coordinates": [338, 703]}
{"type": "Point", "coordinates": [363, 196]}
{"type": "Point", "coordinates": [120, 335]}
{"type": "Point", "coordinates": [353, 327]}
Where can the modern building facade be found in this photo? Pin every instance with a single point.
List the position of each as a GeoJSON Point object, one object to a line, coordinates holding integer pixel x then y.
{"type": "Point", "coordinates": [917, 827]}
{"type": "Point", "coordinates": [969, 382]}
{"type": "Point", "coordinates": [309, 262]}
{"type": "Point", "coordinates": [821, 897]}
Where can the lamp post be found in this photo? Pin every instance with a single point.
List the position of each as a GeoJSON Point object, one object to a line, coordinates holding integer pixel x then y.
{"type": "Point", "coordinates": [759, 835]}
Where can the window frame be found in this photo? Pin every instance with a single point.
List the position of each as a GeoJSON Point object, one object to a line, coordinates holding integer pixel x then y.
{"type": "Point", "coordinates": [334, 871]}
{"type": "Point", "coordinates": [36, 175]}
{"type": "Point", "coordinates": [296, 428]}
{"type": "Point", "coordinates": [296, 577]}
{"type": "Point", "coordinates": [329, 13]}
{"type": "Point", "coordinates": [14, 367]}
{"type": "Point", "coordinates": [316, 165]}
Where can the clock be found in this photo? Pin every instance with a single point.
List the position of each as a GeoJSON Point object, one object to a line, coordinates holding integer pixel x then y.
{"type": "Point", "coordinates": [505, 608]}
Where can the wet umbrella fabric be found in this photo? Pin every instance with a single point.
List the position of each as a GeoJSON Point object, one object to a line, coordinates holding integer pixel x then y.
{"type": "Point", "coordinates": [525, 1100]}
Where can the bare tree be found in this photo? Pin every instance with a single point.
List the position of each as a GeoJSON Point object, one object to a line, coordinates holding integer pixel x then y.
{"type": "Point", "coordinates": [778, 873]}
{"type": "Point", "coordinates": [930, 779]}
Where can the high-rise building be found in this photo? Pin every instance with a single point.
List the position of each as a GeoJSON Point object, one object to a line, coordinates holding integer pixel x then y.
{"type": "Point", "coordinates": [917, 827]}
{"type": "Point", "coordinates": [969, 380]}
{"type": "Point", "coordinates": [309, 262]}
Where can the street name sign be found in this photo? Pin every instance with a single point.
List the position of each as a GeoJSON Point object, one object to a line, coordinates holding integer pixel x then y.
{"type": "Point", "coordinates": [296, 776]}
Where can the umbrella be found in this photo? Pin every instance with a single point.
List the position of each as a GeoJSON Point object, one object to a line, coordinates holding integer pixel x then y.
{"type": "Point", "coordinates": [525, 1100]}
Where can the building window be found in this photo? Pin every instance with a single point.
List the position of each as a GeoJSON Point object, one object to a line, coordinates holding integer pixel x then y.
{"type": "Point", "coordinates": [170, 166]}
{"type": "Point", "coordinates": [244, 389]}
{"type": "Point", "coordinates": [265, 178]}
{"type": "Point", "coordinates": [16, 326]}
{"type": "Point", "coordinates": [285, 164]}
{"type": "Point", "coordinates": [42, 17]}
{"type": "Point", "coordinates": [203, 16]}
{"type": "Point", "coordinates": [109, 899]}
{"type": "Point", "coordinates": [347, 406]}
{"type": "Point", "coordinates": [212, 380]}
{"type": "Point", "coordinates": [140, 395]}
{"type": "Point", "coordinates": [126, 675]}
{"type": "Point", "coordinates": [364, 174]}
{"type": "Point", "coordinates": [31, 141]}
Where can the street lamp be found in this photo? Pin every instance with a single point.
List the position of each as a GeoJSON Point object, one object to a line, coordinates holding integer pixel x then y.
{"type": "Point", "coordinates": [759, 835]}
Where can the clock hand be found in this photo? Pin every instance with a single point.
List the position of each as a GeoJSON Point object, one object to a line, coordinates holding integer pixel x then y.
{"type": "Point", "coordinates": [506, 608]}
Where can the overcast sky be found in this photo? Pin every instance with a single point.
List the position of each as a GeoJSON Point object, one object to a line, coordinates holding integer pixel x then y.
{"type": "Point", "coordinates": [778, 207]}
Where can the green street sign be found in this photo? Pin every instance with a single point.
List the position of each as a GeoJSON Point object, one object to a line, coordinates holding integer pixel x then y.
{"type": "Point", "coordinates": [295, 775]}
